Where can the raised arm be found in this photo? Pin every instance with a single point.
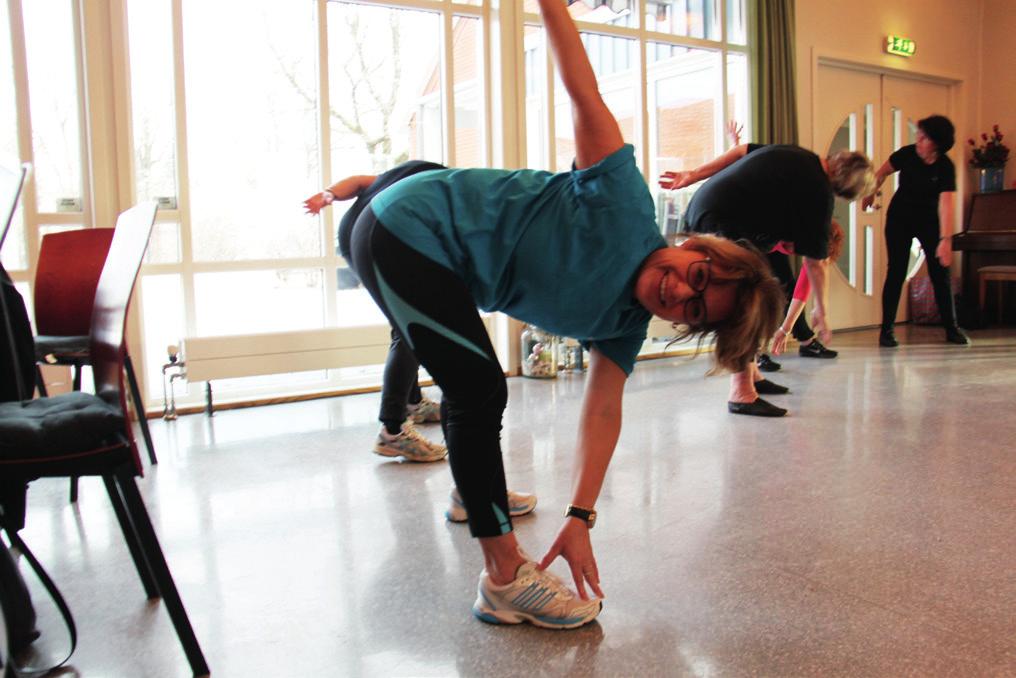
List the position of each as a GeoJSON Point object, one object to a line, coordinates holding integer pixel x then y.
{"type": "Point", "coordinates": [599, 428]}
{"type": "Point", "coordinates": [347, 188]}
{"type": "Point", "coordinates": [884, 171]}
{"type": "Point", "coordinates": [597, 134]}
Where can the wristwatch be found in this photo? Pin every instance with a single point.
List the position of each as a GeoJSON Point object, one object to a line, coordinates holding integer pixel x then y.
{"type": "Point", "coordinates": [588, 515]}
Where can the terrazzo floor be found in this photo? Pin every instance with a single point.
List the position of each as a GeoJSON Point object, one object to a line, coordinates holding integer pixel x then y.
{"type": "Point", "coordinates": [870, 533]}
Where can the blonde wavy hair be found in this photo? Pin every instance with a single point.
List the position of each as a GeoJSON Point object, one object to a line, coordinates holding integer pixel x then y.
{"type": "Point", "coordinates": [758, 301]}
{"type": "Point", "coordinates": [851, 174]}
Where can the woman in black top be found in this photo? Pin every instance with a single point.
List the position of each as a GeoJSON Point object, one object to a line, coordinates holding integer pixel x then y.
{"type": "Point", "coordinates": [921, 208]}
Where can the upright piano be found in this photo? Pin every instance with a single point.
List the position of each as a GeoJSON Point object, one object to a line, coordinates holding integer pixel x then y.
{"type": "Point", "coordinates": [988, 239]}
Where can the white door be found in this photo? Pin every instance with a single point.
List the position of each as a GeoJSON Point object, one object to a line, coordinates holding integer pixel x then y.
{"type": "Point", "coordinates": [876, 114]}
{"type": "Point", "coordinates": [848, 112]}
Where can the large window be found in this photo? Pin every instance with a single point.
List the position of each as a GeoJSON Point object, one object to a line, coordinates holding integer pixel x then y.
{"type": "Point", "coordinates": [230, 141]}
{"type": "Point", "coordinates": [229, 119]}
{"type": "Point", "coordinates": [690, 88]}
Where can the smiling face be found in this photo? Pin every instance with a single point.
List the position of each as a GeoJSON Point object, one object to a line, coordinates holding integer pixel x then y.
{"type": "Point", "coordinates": [677, 284]}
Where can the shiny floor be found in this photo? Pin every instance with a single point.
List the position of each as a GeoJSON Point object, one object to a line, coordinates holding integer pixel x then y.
{"type": "Point", "coordinates": [870, 533]}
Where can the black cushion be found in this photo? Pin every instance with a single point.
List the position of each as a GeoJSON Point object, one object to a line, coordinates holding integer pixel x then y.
{"type": "Point", "coordinates": [59, 346]}
{"type": "Point", "coordinates": [62, 425]}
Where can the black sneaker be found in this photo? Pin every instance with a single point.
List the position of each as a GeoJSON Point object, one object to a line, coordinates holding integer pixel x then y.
{"type": "Point", "coordinates": [767, 364]}
{"type": "Point", "coordinates": [955, 335]}
{"type": "Point", "coordinates": [816, 350]}
{"type": "Point", "coordinates": [888, 339]}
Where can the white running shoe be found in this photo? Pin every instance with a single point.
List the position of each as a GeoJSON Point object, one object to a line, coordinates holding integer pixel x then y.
{"type": "Point", "coordinates": [519, 504]}
{"type": "Point", "coordinates": [537, 597]}
{"type": "Point", "coordinates": [409, 445]}
{"type": "Point", "coordinates": [424, 412]}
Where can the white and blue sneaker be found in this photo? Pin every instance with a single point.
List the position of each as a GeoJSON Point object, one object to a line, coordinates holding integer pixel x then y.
{"type": "Point", "coordinates": [424, 412]}
{"type": "Point", "coordinates": [519, 504]}
{"type": "Point", "coordinates": [409, 445]}
{"type": "Point", "coordinates": [536, 596]}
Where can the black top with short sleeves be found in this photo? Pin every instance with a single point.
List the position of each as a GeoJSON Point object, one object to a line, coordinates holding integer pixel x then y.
{"type": "Point", "coordinates": [774, 193]}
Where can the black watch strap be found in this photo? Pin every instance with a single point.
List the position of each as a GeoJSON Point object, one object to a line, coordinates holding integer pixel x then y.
{"type": "Point", "coordinates": [584, 514]}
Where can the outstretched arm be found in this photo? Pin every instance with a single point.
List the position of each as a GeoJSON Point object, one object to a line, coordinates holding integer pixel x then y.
{"type": "Point", "coordinates": [884, 171]}
{"type": "Point", "coordinates": [817, 274]}
{"type": "Point", "coordinates": [597, 134]}
{"type": "Point", "coordinates": [675, 180]}
{"type": "Point", "coordinates": [599, 428]}
{"type": "Point", "coordinates": [348, 188]}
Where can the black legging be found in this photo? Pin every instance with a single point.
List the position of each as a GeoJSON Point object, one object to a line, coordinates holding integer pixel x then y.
{"type": "Point", "coordinates": [898, 236]}
{"type": "Point", "coordinates": [436, 315]}
{"type": "Point", "coordinates": [780, 264]}
{"type": "Point", "coordinates": [400, 385]}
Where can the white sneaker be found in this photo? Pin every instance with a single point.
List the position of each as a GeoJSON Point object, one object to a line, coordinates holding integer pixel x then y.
{"type": "Point", "coordinates": [537, 597]}
{"type": "Point", "coordinates": [409, 445]}
{"type": "Point", "coordinates": [424, 412]}
{"type": "Point", "coordinates": [519, 504]}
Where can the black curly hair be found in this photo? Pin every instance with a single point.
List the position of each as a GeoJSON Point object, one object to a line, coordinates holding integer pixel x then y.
{"type": "Point", "coordinates": [940, 130]}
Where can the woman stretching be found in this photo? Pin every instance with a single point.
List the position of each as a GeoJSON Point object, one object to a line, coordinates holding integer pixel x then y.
{"type": "Point", "coordinates": [437, 245]}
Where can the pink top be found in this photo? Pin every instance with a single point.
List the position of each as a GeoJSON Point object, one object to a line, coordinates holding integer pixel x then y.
{"type": "Point", "coordinates": [803, 288]}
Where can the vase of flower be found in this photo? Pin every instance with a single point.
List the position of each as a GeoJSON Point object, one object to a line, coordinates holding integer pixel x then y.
{"type": "Point", "coordinates": [990, 179]}
{"type": "Point", "coordinates": [988, 160]}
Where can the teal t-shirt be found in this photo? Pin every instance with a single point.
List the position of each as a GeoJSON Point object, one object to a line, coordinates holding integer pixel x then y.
{"type": "Point", "coordinates": [560, 251]}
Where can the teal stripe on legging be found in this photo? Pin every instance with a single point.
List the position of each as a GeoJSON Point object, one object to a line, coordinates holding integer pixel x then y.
{"type": "Point", "coordinates": [405, 315]}
{"type": "Point", "coordinates": [506, 525]}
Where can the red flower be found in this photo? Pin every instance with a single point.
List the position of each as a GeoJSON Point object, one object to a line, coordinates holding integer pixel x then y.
{"type": "Point", "coordinates": [971, 142]}
{"type": "Point", "coordinates": [984, 136]}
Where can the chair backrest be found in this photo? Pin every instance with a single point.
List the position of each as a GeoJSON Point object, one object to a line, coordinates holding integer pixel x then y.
{"type": "Point", "coordinates": [112, 297]}
{"type": "Point", "coordinates": [68, 272]}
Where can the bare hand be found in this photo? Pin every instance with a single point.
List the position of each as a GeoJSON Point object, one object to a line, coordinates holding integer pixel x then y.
{"type": "Point", "coordinates": [315, 203]}
{"type": "Point", "coordinates": [944, 252]}
{"type": "Point", "coordinates": [821, 327]}
{"type": "Point", "coordinates": [573, 545]}
{"type": "Point", "coordinates": [779, 343]}
{"type": "Point", "coordinates": [675, 180]}
{"type": "Point", "coordinates": [734, 132]}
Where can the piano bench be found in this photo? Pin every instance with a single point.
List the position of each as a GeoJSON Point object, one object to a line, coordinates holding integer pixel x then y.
{"type": "Point", "coordinates": [1002, 274]}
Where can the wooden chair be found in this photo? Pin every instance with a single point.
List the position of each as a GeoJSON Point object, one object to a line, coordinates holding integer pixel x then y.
{"type": "Point", "coordinates": [999, 274]}
{"type": "Point", "coordinates": [70, 263]}
{"type": "Point", "coordinates": [78, 434]}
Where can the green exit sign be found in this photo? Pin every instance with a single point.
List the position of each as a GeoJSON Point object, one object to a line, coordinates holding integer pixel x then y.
{"type": "Point", "coordinates": [894, 44]}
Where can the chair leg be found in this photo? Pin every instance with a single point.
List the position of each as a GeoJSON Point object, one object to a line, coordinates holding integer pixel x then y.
{"type": "Point", "coordinates": [76, 381]}
{"type": "Point", "coordinates": [130, 535]}
{"type": "Point", "coordinates": [164, 578]}
{"type": "Point", "coordinates": [139, 408]}
{"type": "Point", "coordinates": [40, 383]}
{"type": "Point", "coordinates": [74, 489]}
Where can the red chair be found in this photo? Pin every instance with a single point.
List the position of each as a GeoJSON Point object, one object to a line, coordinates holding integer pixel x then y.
{"type": "Point", "coordinates": [65, 280]}
{"type": "Point", "coordinates": [76, 434]}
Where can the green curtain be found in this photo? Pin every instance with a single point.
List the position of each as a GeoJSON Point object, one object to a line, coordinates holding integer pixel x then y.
{"type": "Point", "coordinates": [775, 109]}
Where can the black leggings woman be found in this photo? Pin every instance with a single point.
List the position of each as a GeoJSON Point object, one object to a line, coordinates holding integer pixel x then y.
{"type": "Point", "coordinates": [921, 208]}
{"type": "Point", "coordinates": [578, 253]}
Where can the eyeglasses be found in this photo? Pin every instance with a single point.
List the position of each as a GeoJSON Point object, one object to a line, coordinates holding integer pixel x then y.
{"type": "Point", "coordinates": [698, 276]}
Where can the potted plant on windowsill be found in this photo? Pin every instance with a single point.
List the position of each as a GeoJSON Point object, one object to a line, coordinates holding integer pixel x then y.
{"type": "Point", "coordinates": [989, 160]}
